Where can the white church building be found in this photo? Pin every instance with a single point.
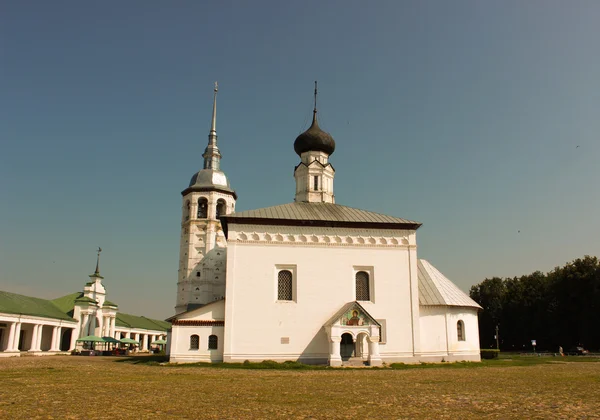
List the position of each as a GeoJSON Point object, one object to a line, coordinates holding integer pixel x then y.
{"type": "Point", "coordinates": [311, 280]}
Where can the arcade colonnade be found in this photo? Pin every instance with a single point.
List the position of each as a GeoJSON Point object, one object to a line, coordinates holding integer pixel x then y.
{"type": "Point", "coordinates": [36, 335]}
{"type": "Point", "coordinates": [144, 337]}
{"type": "Point", "coordinates": [46, 336]}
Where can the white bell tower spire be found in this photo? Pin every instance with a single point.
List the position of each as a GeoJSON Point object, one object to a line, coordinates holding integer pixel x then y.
{"type": "Point", "coordinates": [202, 251]}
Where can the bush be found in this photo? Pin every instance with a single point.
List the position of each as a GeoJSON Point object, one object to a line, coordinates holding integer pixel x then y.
{"type": "Point", "coordinates": [489, 353]}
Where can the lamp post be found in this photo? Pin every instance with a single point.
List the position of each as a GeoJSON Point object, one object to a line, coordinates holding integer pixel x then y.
{"type": "Point", "coordinates": [497, 338]}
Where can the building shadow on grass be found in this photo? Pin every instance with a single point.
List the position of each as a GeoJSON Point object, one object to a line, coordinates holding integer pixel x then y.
{"type": "Point", "coordinates": [144, 360]}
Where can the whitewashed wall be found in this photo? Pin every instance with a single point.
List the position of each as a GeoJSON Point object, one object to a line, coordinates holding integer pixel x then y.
{"type": "Point", "coordinates": [439, 336]}
{"type": "Point", "coordinates": [179, 338]}
{"type": "Point", "coordinates": [255, 322]}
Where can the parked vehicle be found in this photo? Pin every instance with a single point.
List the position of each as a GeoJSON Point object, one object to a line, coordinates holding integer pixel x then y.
{"type": "Point", "coordinates": [580, 351]}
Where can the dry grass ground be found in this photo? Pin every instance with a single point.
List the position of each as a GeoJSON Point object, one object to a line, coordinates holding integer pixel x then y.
{"type": "Point", "coordinates": [66, 387]}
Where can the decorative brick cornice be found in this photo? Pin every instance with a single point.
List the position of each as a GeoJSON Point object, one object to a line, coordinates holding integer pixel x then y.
{"type": "Point", "coordinates": [326, 237]}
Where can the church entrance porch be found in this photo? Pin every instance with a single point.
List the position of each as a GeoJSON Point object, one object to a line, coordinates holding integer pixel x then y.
{"type": "Point", "coordinates": [353, 334]}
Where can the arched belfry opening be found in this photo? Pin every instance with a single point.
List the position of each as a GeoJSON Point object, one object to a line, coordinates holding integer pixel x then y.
{"type": "Point", "coordinates": [221, 208]}
{"type": "Point", "coordinates": [202, 208]}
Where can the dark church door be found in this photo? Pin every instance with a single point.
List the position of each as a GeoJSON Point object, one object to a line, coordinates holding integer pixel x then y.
{"type": "Point", "coordinates": [346, 346]}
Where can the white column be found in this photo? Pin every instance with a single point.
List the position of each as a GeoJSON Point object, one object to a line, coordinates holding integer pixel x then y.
{"type": "Point", "coordinates": [92, 327]}
{"type": "Point", "coordinates": [84, 326]}
{"type": "Point", "coordinates": [17, 337]}
{"type": "Point", "coordinates": [112, 326]}
{"type": "Point", "coordinates": [54, 339]}
{"type": "Point", "coordinates": [334, 351]}
{"type": "Point", "coordinates": [10, 347]}
{"type": "Point", "coordinates": [33, 338]}
{"type": "Point", "coordinates": [38, 343]}
{"type": "Point", "coordinates": [145, 342]}
{"type": "Point", "coordinates": [59, 338]}
{"type": "Point", "coordinates": [36, 338]}
{"type": "Point", "coordinates": [73, 342]}
{"type": "Point", "coordinates": [11, 337]}
{"type": "Point", "coordinates": [374, 359]}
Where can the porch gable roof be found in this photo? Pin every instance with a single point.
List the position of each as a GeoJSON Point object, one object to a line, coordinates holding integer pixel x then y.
{"type": "Point", "coordinates": [348, 307]}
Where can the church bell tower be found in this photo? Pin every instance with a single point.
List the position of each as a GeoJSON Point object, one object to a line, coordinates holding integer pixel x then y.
{"type": "Point", "coordinates": [314, 174]}
{"type": "Point", "coordinates": [202, 251]}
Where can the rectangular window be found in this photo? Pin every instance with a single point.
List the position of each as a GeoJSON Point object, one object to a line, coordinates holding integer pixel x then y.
{"type": "Point", "coordinates": [316, 183]}
{"type": "Point", "coordinates": [285, 340]}
{"type": "Point", "coordinates": [286, 283]}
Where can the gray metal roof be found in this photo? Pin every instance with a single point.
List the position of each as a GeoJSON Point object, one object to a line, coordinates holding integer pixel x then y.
{"type": "Point", "coordinates": [436, 290]}
{"type": "Point", "coordinates": [320, 212]}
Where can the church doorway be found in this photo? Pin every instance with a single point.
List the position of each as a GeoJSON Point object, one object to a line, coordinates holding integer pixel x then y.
{"type": "Point", "coordinates": [346, 346]}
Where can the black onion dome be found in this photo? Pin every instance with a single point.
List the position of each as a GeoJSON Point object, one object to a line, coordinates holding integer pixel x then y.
{"type": "Point", "coordinates": [314, 139]}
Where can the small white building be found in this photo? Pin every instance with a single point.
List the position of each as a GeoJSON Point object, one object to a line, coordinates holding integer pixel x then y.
{"type": "Point", "coordinates": [43, 327]}
{"type": "Point", "coordinates": [311, 280]}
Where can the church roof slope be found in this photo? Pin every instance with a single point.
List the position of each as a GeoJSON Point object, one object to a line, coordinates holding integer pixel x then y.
{"type": "Point", "coordinates": [141, 322]}
{"type": "Point", "coordinates": [437, 290]}
{"type": "Point", "coordinates": [319, 214]}
{"type": "Point", "coordinates": [13, 303]}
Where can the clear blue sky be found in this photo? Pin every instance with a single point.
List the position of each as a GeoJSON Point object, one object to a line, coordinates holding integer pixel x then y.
{"type": "Point", "coordinates": [463, 115]}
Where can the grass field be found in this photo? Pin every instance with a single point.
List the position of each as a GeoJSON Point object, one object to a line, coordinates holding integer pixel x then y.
{"type": "Point", "coordinates": [64, 387]}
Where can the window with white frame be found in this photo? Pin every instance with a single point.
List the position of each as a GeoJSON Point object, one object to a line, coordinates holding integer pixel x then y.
{"type": "Point", "coordinates": [285, 285]}
{"type": "Point", "coordinates": [194, 342]}
{"type": "Point", "coordinates": [363, 287]}
{"type": "Point", "coordinates": [460, 330]}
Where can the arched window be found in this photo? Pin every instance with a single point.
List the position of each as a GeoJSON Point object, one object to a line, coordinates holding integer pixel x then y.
{"type": "Point", "coordinates": [194, 342]}
{"type": "Point", "coordinates": [221, 208]}
{"type": "Point", "coordinates": [284, 285]}
{"type": "Point", "coordinates": [460, 330]}
{"type": "Point", "coordinates": [202, 208]}
{"type": "Point", "coordinates": [213, 342]}
{"type": "Point", "coordinates": [187, 210]}
{"type": "Point", "coordinates": [362, 286]}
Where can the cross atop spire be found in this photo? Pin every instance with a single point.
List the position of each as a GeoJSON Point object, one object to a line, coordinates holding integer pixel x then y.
{"type": "Point", "coordinates": [213, 127]}
{"type": "Point", "coordinates": [212, 155]}
{"type": "Point", "coordinates": [97, 272]}
{"type": "Point", "coordinates": [315, 108]}
{"type": "Point", "coordinates": [98, 262]}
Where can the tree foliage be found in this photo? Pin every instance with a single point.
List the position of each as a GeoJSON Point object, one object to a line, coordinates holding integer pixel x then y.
{"type": "Point", "coordinates": [555, 309]}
